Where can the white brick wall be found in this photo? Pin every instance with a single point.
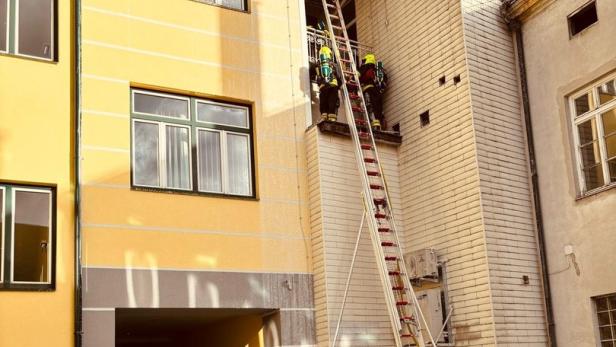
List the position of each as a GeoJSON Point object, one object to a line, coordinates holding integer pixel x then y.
{"type": "Point", "coordinates": [420, 41]}
{"type": "Point", "coordinates": [505, 188]}
{"type": "Point", "coordinates": [337, 209]}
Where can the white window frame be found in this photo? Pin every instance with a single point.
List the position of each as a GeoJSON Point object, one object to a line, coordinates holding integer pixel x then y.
{"type": "Point", "coordinates": [3, 249]}
{"type": "Point", "coordinates": [577, 120]}
{"type": "Point", "coordinates": [51, 241]}
{"type": "Point", "coordinates": [8, 27]}
{"type": "Point", "coordinates": [224, 170]}
{"type": "Point", "coordinates": [220, 4]}
{"type": "Point", "coordinates": [162, 154]}
{"type": "Point", "coordinates": [52, 48]}
{"type": "Point", "coordinates": [162, 95]}
{"type": "Point", "coordinates": [247, 111]}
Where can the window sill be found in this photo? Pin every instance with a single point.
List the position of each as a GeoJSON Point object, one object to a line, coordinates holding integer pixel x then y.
{"type": "Point", "coordinates": [193, 193]}
{"type": "Point", "coordinates": [27, 288]}
{"type": "Point", "coordinates": [223, 7]}
{"type": "Point", "coordinates": [595, 192]}
{"type": "Point", "coordinates": [343, 129]}
{"type": "Point", "coordinates": [30, 58]}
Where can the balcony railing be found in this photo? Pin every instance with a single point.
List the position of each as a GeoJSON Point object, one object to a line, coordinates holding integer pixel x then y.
{"type": "Point", "coordinates": [318, 39]}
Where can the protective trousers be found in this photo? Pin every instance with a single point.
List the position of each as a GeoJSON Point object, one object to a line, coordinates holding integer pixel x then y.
{"type": "Point", "coordinates": [328, 99]}
{"type": "Point", "coordinates": [374, 102]}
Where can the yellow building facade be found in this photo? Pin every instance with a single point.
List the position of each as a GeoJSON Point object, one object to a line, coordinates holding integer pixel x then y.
{"type": "Point", "coordinates": [194, 192]}
{"type": "Point", "coordinates": [36, 173]}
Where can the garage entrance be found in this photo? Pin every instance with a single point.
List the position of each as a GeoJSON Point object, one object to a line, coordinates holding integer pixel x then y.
{"type": "Point", "coordinates": [169, 327]}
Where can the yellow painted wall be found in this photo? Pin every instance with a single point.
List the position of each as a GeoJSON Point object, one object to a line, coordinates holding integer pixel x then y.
{"type": "Point", "coordinates": [36, 127]}
{"type": "Point", "coordinates": [197, 49]}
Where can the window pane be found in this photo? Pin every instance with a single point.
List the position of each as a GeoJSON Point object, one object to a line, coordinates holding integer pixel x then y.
{"type": "Point", "coordinates": [588, 132]}
{"type": "Point", "coordinates": [612, 303]}
{"type": "Point", "coordinates": [178, 157]}
{"type": "Point", "coordinates": [238, 163]}
{"type": "Point", "coordinates": [31, 238]}
{"type": "Point", "coordinates": [34, 29]}
{"type": "Point", "coordinates": [145, 150]}
{"type": "Point", "coordinates": [594, 177]}
{"type": "Point", "coordinates": [601, 304]}
{"type": "Point", "coordinates": [160, 105]}
{"type": "Point", "coordinates": [220, 114]}
{"type": "Point", "coordinates": [603, 318]}
{"type": "Point", "coordinates": [605, 332]}
{"type": "Point", "coordinates": [210, 175]}
{"type": "Point", "coordinates": [583, 104]}
{"type": "Point", "coordinates": [607, 92]}
{"type": "Point", "coordinates": [607, 344]}
{"type": "Point", "coordinates": [237, 4]}
{"type": "Point", "coordinates": [3, 24]}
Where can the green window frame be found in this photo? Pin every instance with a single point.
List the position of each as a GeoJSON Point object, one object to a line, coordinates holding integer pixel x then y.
{"type": "Point", "coordinates": [191, 145]}
{"type": "Point", "coordinates": [28, 237]}
{"type": "Point", "coordinates": [36, 44]}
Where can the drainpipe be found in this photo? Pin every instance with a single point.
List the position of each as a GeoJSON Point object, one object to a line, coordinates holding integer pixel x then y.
{"type": "Point", "coordinates": [77, 162]}
{"type": "Point", "coordinates": [515, 26]}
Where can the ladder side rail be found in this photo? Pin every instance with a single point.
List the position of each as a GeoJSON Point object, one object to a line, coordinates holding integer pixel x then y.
{"type": "Point", "coordinates": [369, 203]}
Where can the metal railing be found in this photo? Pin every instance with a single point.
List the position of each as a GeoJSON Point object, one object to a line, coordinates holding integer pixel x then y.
{"type": "Point", "coordinates": [318, 39]}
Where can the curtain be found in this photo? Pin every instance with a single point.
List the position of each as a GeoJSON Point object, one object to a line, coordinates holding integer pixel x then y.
{"type": "Point", "coordinates": [210, 170]}
{"type": "Point", "coordinates": [178, 157]}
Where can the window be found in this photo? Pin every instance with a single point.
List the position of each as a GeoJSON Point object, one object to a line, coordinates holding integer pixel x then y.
{"type": "Point", "coordinates": [605, 306]}
{"type": "Point", "coordinates": [191, 144]}
{"type": "Point", "coordinates": [27, 243]}
{"type": "Point", "coordinates": [27, 28]}
{"type": "Point", "coordinates": [594, 123]}
{"type": "Point", "coordinates": [582, 18]}
{"type": "Point", "coordinates": [233, 4]}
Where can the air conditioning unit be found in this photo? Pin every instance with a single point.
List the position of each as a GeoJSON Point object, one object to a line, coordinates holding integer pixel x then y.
{"type": "Point", "coordinates": [422, 264]}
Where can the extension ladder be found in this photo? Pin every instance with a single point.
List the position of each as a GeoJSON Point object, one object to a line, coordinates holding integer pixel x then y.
{"type": "Point", "coordinates": [406, 318]}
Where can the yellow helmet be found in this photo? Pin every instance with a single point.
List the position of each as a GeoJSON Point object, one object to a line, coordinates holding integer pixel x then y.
{"type": "Point", "coordinates": [325, 51]}
{"type": "Point", "coordinates": [370, 59]}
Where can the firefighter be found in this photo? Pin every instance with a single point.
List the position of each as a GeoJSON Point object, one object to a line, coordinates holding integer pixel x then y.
{"type": "Point", "coordinates": [373, 81]}
{"type": "Point", "coordinates": [327, 79]}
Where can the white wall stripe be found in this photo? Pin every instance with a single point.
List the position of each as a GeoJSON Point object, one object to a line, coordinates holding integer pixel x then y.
{"type": "Point", "coordinates": [258, 235]}
{"type": "Point", "coordinates": [89, 112]}
{"type": "Point", "coordinates": [194, 30]}
{"type": "Point", "coordinates": [184, 59]}
{"type": "Point", "coordinates": [106, 149]}
{"type": "Point", "coordinates": [103, 78]}
{"type": "Point", "coordinates": [219, 270]}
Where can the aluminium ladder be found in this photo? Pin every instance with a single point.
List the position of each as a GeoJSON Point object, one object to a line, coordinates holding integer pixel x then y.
{"type": "Point", "coordinates": [406, 318]}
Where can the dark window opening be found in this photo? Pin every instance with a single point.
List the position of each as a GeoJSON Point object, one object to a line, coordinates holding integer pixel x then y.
{"type": "Point", "coordinates": [457, 79]}
{"type": "Point", "coordinates": [583, 18]}
{"type": "Point", "coordinates": [396, 127]}
{"type": "Point", "coordinates": [442, 81]}
{"type": "Point", "coordinates": [424, 118]}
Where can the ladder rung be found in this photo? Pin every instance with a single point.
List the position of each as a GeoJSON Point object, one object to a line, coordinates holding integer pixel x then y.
{"type": "Point", "coordinates": [354, 96]}
{"type": "Point", "coordinates": [366, 146]}
{"type": "Point", "coordinates": [370, 161]}
{"type": "Point", "coordinates": [364, 134]}
{"type": "Point", "coordinates": [361, 122]}
{"type": "Point", "coordinates": [372, 173]}
{"type": "Point", "coordinates": [407, 335]}
{"type": "Point", "coordinates": [376, 187]}
{"type": "Point", "coordinates": [385, 230]}
{"type": "Point", "coordinates": [391, 258]}
{"type": "Point", "coordinates": [398, 288]}
{"type": "Point", "coordinates": [402, 303]}
{"type": "Point", "coordinates": [379, 201]}
{"type": "Point", "coordinates": [395, 273]}
{"type": "Point", "coordinates": [356, 109]}
{"type": "Point", "coordinates": [379, 215]}
{"type": "Point", "coordinates": [407, 319]}
{"type": "Point", "coordinates": [388, 244]}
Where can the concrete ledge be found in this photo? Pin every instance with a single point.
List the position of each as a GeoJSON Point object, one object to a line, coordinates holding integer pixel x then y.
{"type": "Point", "coordinates": [343, 129]}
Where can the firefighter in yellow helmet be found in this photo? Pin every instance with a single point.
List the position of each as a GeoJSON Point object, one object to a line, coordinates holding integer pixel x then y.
{"type": "Point", "coordinates": [327, 78]}
{"type": "Point", "coordinates": [373, 79]}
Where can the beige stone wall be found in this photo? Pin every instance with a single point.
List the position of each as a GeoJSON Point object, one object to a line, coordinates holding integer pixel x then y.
{"type": "Point", "coordinates": [558, 66]}
{"type": "Point", "coordinates": [336, 205]}
{"type": "Point", "coordinates": [505, 187]}
{"type": "Point", "coordinates": [419, 42]}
